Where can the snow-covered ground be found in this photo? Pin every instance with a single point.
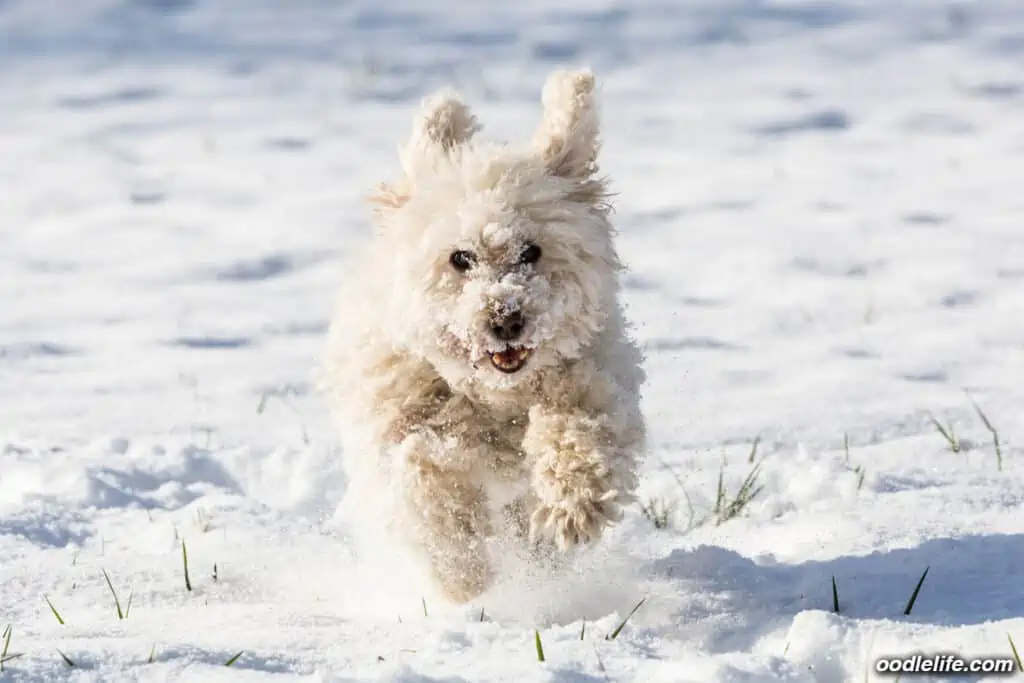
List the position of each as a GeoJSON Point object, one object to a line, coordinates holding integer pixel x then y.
{"type": "Point", "coordinates": [822, 208]}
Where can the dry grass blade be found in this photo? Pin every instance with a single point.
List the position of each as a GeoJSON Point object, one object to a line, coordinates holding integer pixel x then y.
{"type": "Point", "coordinates": [184, 562]}
{"type": "Point", "coordinates": [682, 488]}
{"type": "Point", "coordinates": [995, 435]}
{"type": "Point", "coordinates": [615, 634]}
{"type": "Point", "coordinates": [835, 596]}
{"type": "Point", "coordinates": [265, 398]}
{"type": "Point", "coordinates": [1016, 655]}
{"type": "Point", "coordinates": [659, 511]}
{"type": "Point", "coordinates": [753, 449]}
{"type": "Point", "coordinates": [691, 522]}
{"type": "Point", "coordinates": [600, 665]}
{"type": "Point", "coordinates": [67, 660]}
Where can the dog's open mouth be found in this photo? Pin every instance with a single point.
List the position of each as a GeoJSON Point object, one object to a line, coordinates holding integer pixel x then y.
{"type": "Point", "coordinates": [511, 359]}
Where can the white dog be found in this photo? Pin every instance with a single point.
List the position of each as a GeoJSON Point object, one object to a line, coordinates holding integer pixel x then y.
{"type": "Point", "coordinates": [480, 349]}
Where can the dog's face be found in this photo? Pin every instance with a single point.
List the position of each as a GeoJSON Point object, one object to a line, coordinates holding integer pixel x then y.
{"type": "Point", "coordinates": [502, 258]}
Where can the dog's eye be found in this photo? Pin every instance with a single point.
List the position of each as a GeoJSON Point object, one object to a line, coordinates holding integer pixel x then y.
{"type": "Point", "coordinates": [531, 254]}
{"type": "Point", "coordinates": [462, 260]}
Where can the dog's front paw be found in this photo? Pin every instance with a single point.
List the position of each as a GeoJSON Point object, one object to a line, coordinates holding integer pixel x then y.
{"type": "Point", "coordinates": [568, 523]}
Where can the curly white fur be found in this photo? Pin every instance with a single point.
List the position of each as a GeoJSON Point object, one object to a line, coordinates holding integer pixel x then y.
{"type": "Point", "coordinates": [454, 444]}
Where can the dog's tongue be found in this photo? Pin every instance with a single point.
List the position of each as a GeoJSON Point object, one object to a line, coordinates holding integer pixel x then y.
{"type": "Point", "coordinates": [508, 356]}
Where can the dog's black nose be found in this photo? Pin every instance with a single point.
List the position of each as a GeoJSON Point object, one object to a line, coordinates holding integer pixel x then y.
{"type": "Point", "coordinates": [508, 327]}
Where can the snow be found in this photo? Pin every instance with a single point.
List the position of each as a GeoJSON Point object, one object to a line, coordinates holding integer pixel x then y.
{"type": "Point", "coordinates": [820, 205]}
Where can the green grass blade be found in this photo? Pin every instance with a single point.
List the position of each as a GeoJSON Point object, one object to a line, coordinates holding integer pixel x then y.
{"type": "Point", "coordinates": [53, 609]}
{"type": "Point", "coordinates": [938, 426]}
{"type": "Point", "coordinates": [1016, 655]}
{"type": "Point", "coordinates": [234, 659]}
{"type": "Point", "coordinates": [835, 596]}
{"type": "Point", "coordinates": [7, 645]}
{"type": "Point", "coordinates": [753, 449]}
{"type": "Point", "coordinates": [540, 646]}
{"type": "Point", "coordinates": [720, 492]}
{"type": "Point", "coordinates": [184, 562]}
{"type": "Point", "coordinates": [67, 660]}
{"type": "Point", "coordinates": [984, 418]}
{"type": "Point", "coordinates": [615, 634]}
{"type": "Point", "coordinates": [117, 603]}
{"type": "Point", "coordinates": [947, 434]}
{"type": "Point", "coordinates": [128, 606]}
{"type": "Point", "coordinates": [913, 596]}
{"type": "Point", "coordinates": [748, 484]}
{"type": "Point", "coordinates": [749, 489]}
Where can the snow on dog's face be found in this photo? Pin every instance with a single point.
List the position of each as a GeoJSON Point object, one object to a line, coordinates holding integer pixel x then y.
{"type": "Point", "coordinates": [501, 258]}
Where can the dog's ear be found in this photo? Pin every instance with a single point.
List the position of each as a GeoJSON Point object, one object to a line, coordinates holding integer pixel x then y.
{"type": "Point", "coordinates": [443, 123]}
{"type": "Point", "coordinates": [567, 139]}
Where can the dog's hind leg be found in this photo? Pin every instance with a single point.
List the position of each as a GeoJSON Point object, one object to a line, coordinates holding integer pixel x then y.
{"type": "Point", "coordinates": [449, 521]}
